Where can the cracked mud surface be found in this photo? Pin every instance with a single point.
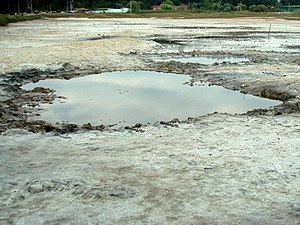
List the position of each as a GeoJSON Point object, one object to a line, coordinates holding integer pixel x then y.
{"type": "Point", "coordinates": [215, 169]}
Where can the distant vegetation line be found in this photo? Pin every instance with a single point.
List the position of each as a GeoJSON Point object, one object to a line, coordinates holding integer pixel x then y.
{"type": "Point", "coordinates": [6, 19]}
{"type": "Point", "coordinates": [31, 6]}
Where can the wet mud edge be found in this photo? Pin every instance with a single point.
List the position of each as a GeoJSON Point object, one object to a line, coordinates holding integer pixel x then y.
{"type": "Point", "coordinates": [20, 106]}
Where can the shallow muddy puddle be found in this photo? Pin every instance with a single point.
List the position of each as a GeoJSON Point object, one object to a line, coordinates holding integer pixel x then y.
{"type": "Point", "coordinates": [277, 44]}
{"type": "Point", "coordinates": [202, 60]}
{"type": "Point", "coordinates": [131, 97]}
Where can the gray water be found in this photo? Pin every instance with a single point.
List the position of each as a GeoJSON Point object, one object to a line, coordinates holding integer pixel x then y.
{"type": "Point", "coordinates": [238, 45]}
{"type": "Point", "coordinates": [129, 97]}
{"type": "Point", "coordinates": [202, 60]}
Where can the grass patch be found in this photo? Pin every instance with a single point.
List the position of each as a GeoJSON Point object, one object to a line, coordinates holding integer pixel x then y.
{"type": "Point", "coordinates": [177, 14]}
{"type": "Point", "coordinates": [6, 19]}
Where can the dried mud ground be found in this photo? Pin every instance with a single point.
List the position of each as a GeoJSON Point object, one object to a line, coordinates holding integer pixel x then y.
{"type": "Point", "coordinates": [214, 169]}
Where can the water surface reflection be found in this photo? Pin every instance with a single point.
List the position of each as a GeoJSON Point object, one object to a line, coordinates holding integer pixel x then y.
{"type": "Point", "coordinates": [130, 97]}
{"type": "Point", "coordinates": [202, 60]}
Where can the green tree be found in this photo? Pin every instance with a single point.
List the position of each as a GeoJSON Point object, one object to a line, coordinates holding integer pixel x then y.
{"type": "Point", "coordinates": [216, 6]}
{"type": "Point", "coordinates": [262, 8]}
{"type": "Point", "coordinates": [134, 6]}
{"type": "Point", "coordinates": [258, 8]}
{"type": "Point", "coordinates": [228, 7]}
{"type": "Point", "coordinates": [240, 7]}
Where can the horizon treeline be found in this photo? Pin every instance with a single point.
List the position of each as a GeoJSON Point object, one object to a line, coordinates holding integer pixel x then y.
{"type": "Point", "coordinates": [29, 6]}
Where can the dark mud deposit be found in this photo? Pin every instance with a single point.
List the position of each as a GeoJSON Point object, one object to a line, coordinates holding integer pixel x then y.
{"type": "Point", "coordinates": [17, 110]}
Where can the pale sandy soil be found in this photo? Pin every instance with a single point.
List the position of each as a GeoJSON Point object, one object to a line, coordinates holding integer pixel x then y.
{"type": "Point", "coordinates": [217, 169]}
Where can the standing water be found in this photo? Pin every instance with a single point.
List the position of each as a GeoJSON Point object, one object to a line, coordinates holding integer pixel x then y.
{"type": "Point", "coordinates": [203, 60]}
{"type": "Point", "coordinates": [130, 97]}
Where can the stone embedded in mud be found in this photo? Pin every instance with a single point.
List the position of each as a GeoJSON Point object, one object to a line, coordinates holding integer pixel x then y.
{"type": "Point", "coordinates": [78, 191]}
{"type": "Point", "coordinates": [35, 188]}
{"type": "Point", "coordinates": [69, 128]}
{"type": "Point", "coordinates": [49, 128]}
{"type": "Point", "coordinates": [175, 120]}
{"type": "Point", "coordinates": [68, 67]}
{"type": "Point", "coordinates": [43, 90]}
{"type": "Point", "coordinates": [87, 126]}
{"type": "Point", "coordinates": [171, 124]}
{"type": "Point", "coordinates": [40, 126]}
{"type": "Point", "coordinates": [100, 127]}
{"type": "Point", "coordinates": [138, 125]}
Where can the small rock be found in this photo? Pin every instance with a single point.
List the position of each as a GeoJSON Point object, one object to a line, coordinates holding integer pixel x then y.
{"type": "Point", "coordinates": [71, 128]}
{"type": "Point", "coordinates": [175, 120]}
{"type": "Point", "coordinates": [68, 66]}
{"type": "Point", "coordinates": [48, 185]}
{"type": "Point", "coordinates": [35, 188]}
{"type": "Point", "coordinates": [87, 126]}
{"type": "Point", "coordinates": [168, 124]}
{"type": "Point", "coordinates": [100, 127]}
{"type": "Point", "coordinates": [42, 90]}
{"type": "Point", "coordinates": [49, 128]}
{"type": "Point", "coordinates": [78, 191]}
{"type": "Point", "coordinates": [138, 125]}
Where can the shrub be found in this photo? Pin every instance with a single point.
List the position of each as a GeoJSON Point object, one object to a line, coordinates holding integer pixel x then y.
{"type": "Point", "coordinates": [167, 5]}
{"type": "Point", "coordinates": [216, 6]}
{"type": "Point", "coordinates": [262, 8]}
{"type": "Point", "coordinates": [228, 6]}
{"type": "Point", "coordinates": [240, 7]}
{"type": "Point", "coordinates": [135, 6]}
{"type": "Point", "coordinates": [258, 8]}
{"type": "Point", "coordinates": [253, 8]}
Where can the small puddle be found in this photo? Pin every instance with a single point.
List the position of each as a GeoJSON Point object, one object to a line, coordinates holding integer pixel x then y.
{"type": "Point", "coordinates": [233, 44]}
{"type": "Point", "coordinates": [202, 60]}
{"type": "Point", "coordinates": [131, 97]}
